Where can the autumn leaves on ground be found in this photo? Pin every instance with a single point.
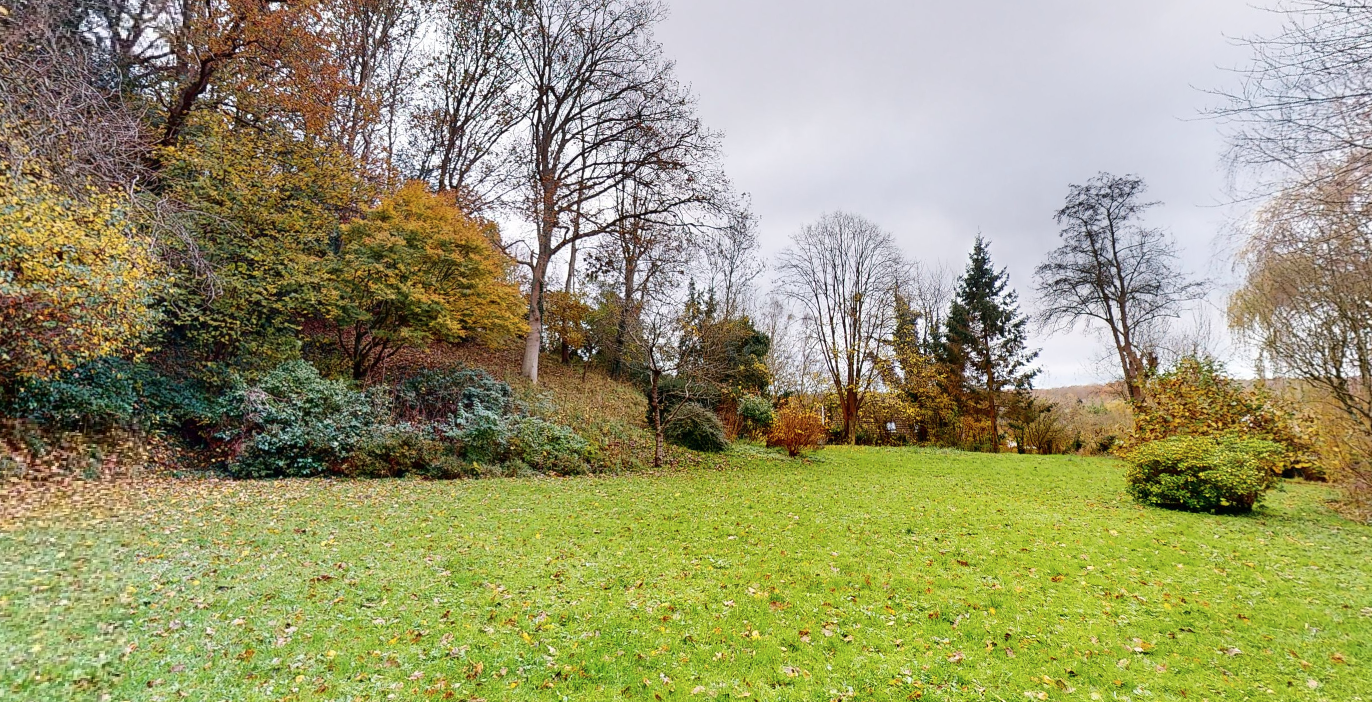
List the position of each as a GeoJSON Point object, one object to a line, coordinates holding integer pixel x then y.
{"type": "Point", "coordinates": [859, 574]}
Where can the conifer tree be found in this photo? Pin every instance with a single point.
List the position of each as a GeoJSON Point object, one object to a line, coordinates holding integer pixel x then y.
{"type": "Point", "coordinates": [986, 339]}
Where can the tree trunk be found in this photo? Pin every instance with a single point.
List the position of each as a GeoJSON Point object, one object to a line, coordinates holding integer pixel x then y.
{"type": "Point", "coordinates": [566, 350]}
{"type": "Point", "coordinates": [850, 415]}
{"type": "Point", "coordinates": [995, 411]}
{"type": "Point", "coordinates": [533, 343]}
{"type": "Point", "coordinates": [655, 403]}
{"type": "Point", "coordinates": [625, 316]}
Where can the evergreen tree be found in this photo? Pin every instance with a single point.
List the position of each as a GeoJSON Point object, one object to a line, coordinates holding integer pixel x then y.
{"type": "Point", "coordinates": [986, 339]}
{"type": "Point", "coordinates": [915, 373]}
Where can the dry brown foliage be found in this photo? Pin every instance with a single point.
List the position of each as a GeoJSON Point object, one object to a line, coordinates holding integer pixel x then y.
{"type": "Point", "coordinates": [797, 429]}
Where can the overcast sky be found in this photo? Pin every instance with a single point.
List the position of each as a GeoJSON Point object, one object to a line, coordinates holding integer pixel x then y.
{"type": "Point", "coordinates": [940, 119]}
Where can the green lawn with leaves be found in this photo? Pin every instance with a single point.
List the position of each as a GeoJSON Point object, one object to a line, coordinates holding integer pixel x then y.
{"type": "Point", "coordinates": [862, 574]}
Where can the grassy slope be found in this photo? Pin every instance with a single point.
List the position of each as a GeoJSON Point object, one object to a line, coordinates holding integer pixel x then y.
{"type": "Point", "coordinates": [884, 574]}
{"type": "Point", "coordinates": [572, 393]}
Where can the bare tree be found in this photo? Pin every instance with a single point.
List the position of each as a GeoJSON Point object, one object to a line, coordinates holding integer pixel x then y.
{"type": "Point", "coordinates": [375, 45]}
{"type": "Point", "coordinates": [1113, 271]}
{"type": "Point", "coordinates": [1306, 101]}
{"type": "Point", "coordinates": [636, 258]}
{"type": "Point", "coordinates": [58, 112]}
{"type": "Point", "coordinates": [730, 260]}
{"type": "Point", "coordinates": [843, 272]}
{"type": "Point", "coordinates": [473, 102]}
{"type": "Point", "coordinates": [655, 350]}
{"type": "Point", "coordinates": [604, 110]}
{"type": "Point", "coordinates": [792, 359]}
{"type": "Point", "coordinates": [928, 292]}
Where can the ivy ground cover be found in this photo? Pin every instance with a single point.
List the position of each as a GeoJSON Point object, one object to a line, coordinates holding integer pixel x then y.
{"type": "Point", "coordinates": [863, 574]}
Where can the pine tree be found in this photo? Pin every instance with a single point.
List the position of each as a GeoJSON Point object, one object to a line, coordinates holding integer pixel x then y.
{"type": "Point", "coordinates": [986, 338]}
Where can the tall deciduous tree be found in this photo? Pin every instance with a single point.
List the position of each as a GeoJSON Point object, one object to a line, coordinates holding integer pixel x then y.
{"type": "Point", "coordinates": [58, 113]}
{"type": "Point", "coordinates": [604, 110]}
{"type": "Point", "coordinates": [1113, 271]}
{"type": "Point", "coordinates": [637, 257]}
{"type": "Point", "coordinates": [471, 99]}
{"type": "Point", "coordinates": [844, 271]}
{"type": "Point", "coordinates": [730, 261]}
{"type": "Point", "coordinates": [987, 338]}
{"type": "Point", "coordinates": [374, 44]}
{"type": "Point", "coordinates": [262, 62]}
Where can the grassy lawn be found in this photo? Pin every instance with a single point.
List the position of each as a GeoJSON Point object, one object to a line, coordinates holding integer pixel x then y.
{"type": "Point", "coordinates": [866, 574]}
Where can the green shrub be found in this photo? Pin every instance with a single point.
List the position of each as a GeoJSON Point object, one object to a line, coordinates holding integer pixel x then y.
{"type": "Point", "coordinates": [1106, 444]}
{"type": "Point", "coordinates": [549, 448]}
{"type": "Point", "coordinates": [481, 435]}
{"type": "Point", "coordinates": [294, 423]}
{"type": "Point", "coordinates": [395, 450]}
{"type": "Point", "coordinates": [446, 466]}
{"type": "Point", "coordinates": [109, 393]}
{"type": "Point", "coordinates": [436, 395]}
{"type": "Point", "coordinates": [696, 428]}
{"type": "Point", "coordinates": [1203, 474]}
{"type": "Point", "coordinates": [756, 413]}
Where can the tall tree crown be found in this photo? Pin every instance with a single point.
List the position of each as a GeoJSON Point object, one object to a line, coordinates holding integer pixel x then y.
{"type": "Point", "coordinates": [987, 336]}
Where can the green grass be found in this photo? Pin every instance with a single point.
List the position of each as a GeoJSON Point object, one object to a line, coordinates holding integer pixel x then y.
{"type": "Point", "coordinates": [866, 574]}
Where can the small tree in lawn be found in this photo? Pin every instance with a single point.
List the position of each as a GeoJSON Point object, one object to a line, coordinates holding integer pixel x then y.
{"type": "Point", "coordinates": [656, 354]}
{"type": "Point", "coordinates": [986, 339]}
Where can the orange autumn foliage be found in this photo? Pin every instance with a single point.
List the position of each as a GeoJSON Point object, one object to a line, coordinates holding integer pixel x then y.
{"type": "Point", "coordinates": [796, 429]}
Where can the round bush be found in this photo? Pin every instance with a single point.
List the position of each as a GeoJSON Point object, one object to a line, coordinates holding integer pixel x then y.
{"type": "Point", "coordinates": [696, 428]}
{"type": "Point", "coordinates": [1203, 474]}
{"type": "Point", "coordinates": [482, 435]}
{"type": "Point", "coordinates": [395, 450]}
{"type": "Point", "coordinates": [797, 429]}
{"type": "Point", "coordinates": [295, 423]}
{"type": "Point", "coordinates": [439, 394]}
{"type": "Point", "coordinates": [756, 413]}
{"type": "Point", "coordinates": [547, 447]}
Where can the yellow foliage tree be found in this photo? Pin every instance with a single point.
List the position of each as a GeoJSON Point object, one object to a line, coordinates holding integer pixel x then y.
{"type": "Point", "coordinates": [1197, 398]}
{"type": "Point", "coordinates": [418, 269]}
{"type": "Point", "coordinates": [263, 213]}
{"type": "Point", "coordinates": [76, 280]}
{"type": "Point", "coordinates": [565, 317]}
